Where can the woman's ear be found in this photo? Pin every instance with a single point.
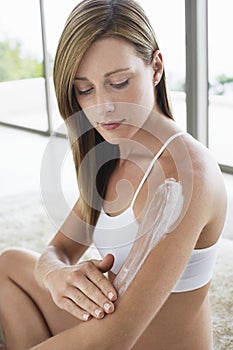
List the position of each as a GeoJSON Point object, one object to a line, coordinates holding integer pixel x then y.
{"type": "Point", "coordinates": [157, 64]}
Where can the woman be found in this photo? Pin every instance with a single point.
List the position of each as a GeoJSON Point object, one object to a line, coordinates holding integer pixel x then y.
{"type": "Point", "coordinates": [152, 200]}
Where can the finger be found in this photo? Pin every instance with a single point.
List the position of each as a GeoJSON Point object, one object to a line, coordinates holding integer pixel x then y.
{"type": "Point", "coordinates": [83, 302]}
{"type": "Point", "coordinates": [69, 306]}
{"type": "Point", "coordinates": [100, 281]}
{"type": "Point", "coordinates": [106, 264]}
{"type": "Point", "coordinates": [92, 292]}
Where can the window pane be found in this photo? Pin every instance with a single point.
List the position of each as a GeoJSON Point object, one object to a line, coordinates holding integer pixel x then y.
{"type": "Point", "coordinates": [221, 80]}
{"type": "Point", "coordinates": [170, 33]}
{"type": "Point", "coordinates": [22, 86]}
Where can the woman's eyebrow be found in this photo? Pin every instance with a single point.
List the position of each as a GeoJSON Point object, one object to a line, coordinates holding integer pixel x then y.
{"type": "Point", "coordinates": [116, 71]}
{"type": "Point", "coordinates": [107, 74]}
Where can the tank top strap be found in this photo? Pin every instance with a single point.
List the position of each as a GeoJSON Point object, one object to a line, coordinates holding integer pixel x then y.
{"type": "Point", "coordinates": [158, 154]}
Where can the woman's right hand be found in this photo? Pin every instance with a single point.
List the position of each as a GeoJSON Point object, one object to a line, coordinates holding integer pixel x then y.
{"type": "Point", "coordinates": [82, 289]}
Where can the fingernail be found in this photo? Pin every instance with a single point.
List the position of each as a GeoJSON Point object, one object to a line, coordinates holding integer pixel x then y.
{"type": "Point", "coordinates": [86, 317]}
{"type": "Point", "coordinates": [98, 312]}
{"type": "Point", "coordinates": [107, 306]}
{"type": "Point", "coordinates": [111, 296]}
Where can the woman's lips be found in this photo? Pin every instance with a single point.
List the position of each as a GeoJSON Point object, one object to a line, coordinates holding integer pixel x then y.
{"type": "Point", "coordinates": [111, 125]}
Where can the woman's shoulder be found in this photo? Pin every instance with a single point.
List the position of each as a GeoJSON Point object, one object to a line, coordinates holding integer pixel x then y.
{"type": "Point", "coordinates": [193, 164]}
{"type": "Point", "coordinates": [208, 188]}
{"type": "Point", "coordinates": [204, 163]}
{"type": "Point", "coordinates": [190, 158]}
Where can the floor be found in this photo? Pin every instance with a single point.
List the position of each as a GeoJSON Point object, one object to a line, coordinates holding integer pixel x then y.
{"type": "Point", "coordinates": [22, 153]}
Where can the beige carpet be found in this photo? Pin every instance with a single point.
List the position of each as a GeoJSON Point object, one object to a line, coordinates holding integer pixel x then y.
{"type": "Point", "coordinates": [24, 222]}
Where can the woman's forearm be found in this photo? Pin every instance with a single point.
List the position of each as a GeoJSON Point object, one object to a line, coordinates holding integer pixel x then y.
{"type": "Point", "coordinates": [71, 339]}
{"type": "Point", "coordinates": [95, 334]}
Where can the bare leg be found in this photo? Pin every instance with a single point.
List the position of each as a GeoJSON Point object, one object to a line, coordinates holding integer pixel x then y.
{"type": "Point", "coordinates": [28, 315]}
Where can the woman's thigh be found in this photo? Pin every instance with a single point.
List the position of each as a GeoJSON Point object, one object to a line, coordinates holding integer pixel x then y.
{"type": "Point", "coordinates": [18, 265]}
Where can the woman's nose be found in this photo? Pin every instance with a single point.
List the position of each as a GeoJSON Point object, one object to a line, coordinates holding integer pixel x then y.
{"type": "Point", "coordinates": [105, 105]}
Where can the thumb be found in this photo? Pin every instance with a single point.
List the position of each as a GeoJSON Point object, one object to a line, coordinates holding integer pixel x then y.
{"type": "Point", "coordinates": [105, 264]}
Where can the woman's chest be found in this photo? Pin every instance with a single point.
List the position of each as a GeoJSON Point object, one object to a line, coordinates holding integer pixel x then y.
{"type": "Point", "coordinates": [128, 186]}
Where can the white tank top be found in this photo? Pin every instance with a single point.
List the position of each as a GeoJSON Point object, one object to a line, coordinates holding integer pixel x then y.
{"type": "Point", "coordinates": [116, 235]}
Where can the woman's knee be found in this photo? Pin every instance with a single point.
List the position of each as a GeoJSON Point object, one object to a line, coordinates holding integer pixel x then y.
{"type": "Point", "coordinates": [14, 259]}
{"type": "Point", "coordinates": [7, 258]}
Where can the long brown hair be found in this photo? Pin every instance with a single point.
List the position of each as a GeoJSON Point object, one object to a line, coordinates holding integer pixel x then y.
{"type": "Point", "coordinates": [89, 21]}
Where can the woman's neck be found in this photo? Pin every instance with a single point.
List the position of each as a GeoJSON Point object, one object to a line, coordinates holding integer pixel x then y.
{"type": "Point", "coordinates": [146, 142]}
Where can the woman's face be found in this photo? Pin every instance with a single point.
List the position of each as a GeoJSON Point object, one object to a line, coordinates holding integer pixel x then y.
{"type": "Point", "coordinates": [115, 88]}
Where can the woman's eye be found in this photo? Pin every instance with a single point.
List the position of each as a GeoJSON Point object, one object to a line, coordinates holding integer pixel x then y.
{"type": "Point", "coordinates": [85, 92]}
{"type": "Point", "coordinates": [121, 85]}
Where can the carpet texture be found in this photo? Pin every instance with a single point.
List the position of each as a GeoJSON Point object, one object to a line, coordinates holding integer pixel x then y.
{"type": "Point", "coordinates": [24, 223]}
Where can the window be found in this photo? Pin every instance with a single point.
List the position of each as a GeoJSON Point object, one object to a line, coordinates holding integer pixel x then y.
{"type": "Point", "coordinates": [221, 80]}
{"type": "Point", "coordinates": [22, 86]}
